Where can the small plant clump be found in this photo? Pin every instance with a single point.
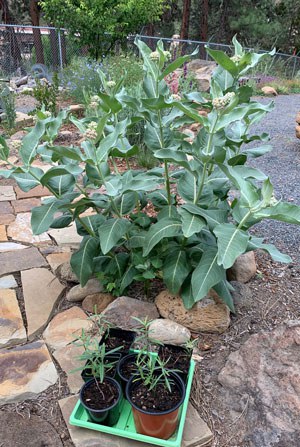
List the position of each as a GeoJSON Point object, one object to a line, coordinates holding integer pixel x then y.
{"type": "Point", "coordinates": [45, 93]}
{"type": "Point", "coordinates": [7, 99]}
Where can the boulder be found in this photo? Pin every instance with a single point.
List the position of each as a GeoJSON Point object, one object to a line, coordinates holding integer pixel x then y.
{"type": "Point", "coordinates": [97, 302]}
{"type": "Point", "coordinates": [243, 269]}
{"type": "Point", "coordinates": [169, 332]}
{"type": "Point", "coordinates": [263, 376]}
{"type": "Point", "coordinates": [78, 293]}
{"type": "Point", "coordinates": [208, 315]}
{"type": "Point", "coordinates": [121, 311]}
{"type": "Point", "coordinates": [269, 91]}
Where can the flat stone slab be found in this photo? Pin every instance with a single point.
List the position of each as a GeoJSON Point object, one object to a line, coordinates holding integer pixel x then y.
{"type": "Point", "coordinates": [8, 282]}
{"type": "Point", "coordinates": [66, 236]}
{"type": "Point", "coordinates": [56, 259]}
{"type": "Point", "coordinates": [6, 219]}
{"type": "Point", "coordinates": [12, 330]}
{"type": "Point", "coordinates": [25, 372]}
{"type": "Point", "coordinates": [7, 193]}
{"type": "Point", "coordinates": [65, 327]}
{"type": "Point", "coordinates": [67, 357]}
{"type": "Point", "coordinates": [20, 230]}
{"type": "Point", "coordinates": [33, 431]}
{"type": "Point", "coordinates": [196, 432]}
{"type": "Point", "coordinates": [25, 205]}
{"type": "Point", "coordinates": [26, 259]}
{"type": "Point", "coordinates": [3, 235]}
{"type": "Point", "coordinates": [41, 291]}
{"type": "Point", "coordinates": [11, 246]}
{"type": "Point", "coordinates": [38, 191]}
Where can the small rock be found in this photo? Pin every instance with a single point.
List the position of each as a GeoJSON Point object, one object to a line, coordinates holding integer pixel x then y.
{"type": "Point", "coordinates": [67, 357]}
{"type": "Point", "coordinates": [7, 193]}
{"type": "Point", "coordinates": [208, 315]}
{"type": "Point", "coordinates": [78, 293]}
{"type": "Point", "coordinates": [25, 205]}
{"type": "Point", "coordinates": [97, 302]}
{"type": "Point", "coordinates": [26, 259]}
{"type": "Point", "coordinates": [298, 118]}
{"type": "Point", "coordinates": [23, 119]}
{"type": "Point", "coordinates": [65, 273]}
{"type": "Point", "coordinates": [65, 326]}
{"type": "Point", "coordinates": [25, 372]}
{"type": "Point", "coordinates": [121, 311]}
{"type": "Point", "coordinates": [242, 296]}
{"type": "Point", "coordinates": [12, 330]}
{"type": "Point", "coordinates": [8, 282]}
{"type": "Point", "coordinates": [3, 235]}
{"type": "Point", "coordinates": [56, 259]}
{"type": "Point", "coordinates": [243, 269]}
{"type": "Point", "coordinates": [298, 131]}
{"type": "Point", "coordinates": [167, 331]}
{"type": "Point", "coordinates": [269, 91]}
{"type": "Point", "coordinates": [41, 293]}
{"type": "Point", "coordinates": [20, 230]}
{"type": "Point", "coordinates": [27, 430]}
{"type": "Point", "coordinates": [21, 81]}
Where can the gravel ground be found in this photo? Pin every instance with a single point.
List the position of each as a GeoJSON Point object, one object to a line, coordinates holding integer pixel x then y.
{"type": "Point", "coordinates": [282, 165]}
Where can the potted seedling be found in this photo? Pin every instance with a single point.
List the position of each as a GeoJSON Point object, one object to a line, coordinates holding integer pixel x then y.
{"type": "Point", "coordinates": [101, 396]}
{"type": "Point", "coordinates": [128, 365]}
{"type": "Point", "coordinates": [95, 358]}
{"type": "Point", "coordinates": [155, 394]}
{"type": "Point", "coordinates": [178, 357]}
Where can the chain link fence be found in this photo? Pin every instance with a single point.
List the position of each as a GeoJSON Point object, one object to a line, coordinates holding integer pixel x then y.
{"type": "Point", "coordinates": [22, 47]}
{"type": "Point", "coordinates": [285, 64]}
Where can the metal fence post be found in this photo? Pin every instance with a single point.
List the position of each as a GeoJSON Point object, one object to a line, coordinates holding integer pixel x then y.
{"type": "Point", "coordinates": [60, 51]}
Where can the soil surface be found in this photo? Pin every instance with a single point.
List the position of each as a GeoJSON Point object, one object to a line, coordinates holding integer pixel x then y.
{"type": "Point", "coordinates": [156, 400]}
{"type": "Point", "coordinates": [129, 367]}
{"type": "Point", "coordinates": [275, 290]}
{"type": "Point", "coordinates": [99, 396]}
{"type": "Point", "coordinates": [176, 358]}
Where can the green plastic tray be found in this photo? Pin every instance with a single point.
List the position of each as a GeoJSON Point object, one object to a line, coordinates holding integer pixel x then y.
{"type": "Point", "coordinates": [125, 425]}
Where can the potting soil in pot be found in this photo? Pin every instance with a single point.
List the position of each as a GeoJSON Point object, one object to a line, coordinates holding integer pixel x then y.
{"type": "Point", "coordinates": [158, 400]}
{"type": "Point", "coordinates": [100, 395]}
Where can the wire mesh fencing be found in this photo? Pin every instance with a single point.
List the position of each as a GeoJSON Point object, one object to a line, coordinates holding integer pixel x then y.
{"type": "Point", "coordinates": [286, 65]}
{"type": "Point", "coordinates": [22, 47]}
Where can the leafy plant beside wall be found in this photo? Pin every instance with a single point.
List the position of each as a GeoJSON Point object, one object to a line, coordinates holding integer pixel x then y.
{"type": "Point", "coordinates": [205, 205]}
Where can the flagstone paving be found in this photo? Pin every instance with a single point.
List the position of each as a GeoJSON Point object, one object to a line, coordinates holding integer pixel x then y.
{"type": "Point", "coordinates": [32, 289]}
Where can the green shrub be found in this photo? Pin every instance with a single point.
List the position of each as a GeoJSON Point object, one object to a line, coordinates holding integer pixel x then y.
{"type": "Point", "coordinates": [198, 232]}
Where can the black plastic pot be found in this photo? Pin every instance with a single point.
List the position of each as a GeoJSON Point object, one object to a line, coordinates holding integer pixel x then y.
{"type": "Point", "coordinates": [130, 358]}
{"type": "Point", "coordinates": [122, 335]}
{"type": "Point", "coordinates": [153, 423]}
{"type": "Point", "coordinates": [86, 373]}
{"type": "Point", "coordinates": [107, 416]}
{"type": "Point", "coordinates": [178, 351]}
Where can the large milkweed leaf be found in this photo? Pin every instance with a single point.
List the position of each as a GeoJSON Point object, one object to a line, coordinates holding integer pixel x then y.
{"type": "Point", "coordinates": [191, 223]}
{"type": "Point", "coordinates": [206, 275]}
{"type": "Point", "coordinates": [110, 232]}
{"type": "Point", "coordinates": [82, 262]}
{"type": "Point", "coordinates": [232, 242]}
{"type": "Point", "coordinates": [164, 228]}
{"type": "Point", "coordinates": [175, 270]}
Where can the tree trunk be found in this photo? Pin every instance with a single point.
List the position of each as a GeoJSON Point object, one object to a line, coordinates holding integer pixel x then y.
{"type": "Point", "coordinates": [204, 27]}
{"type": "Point", "coordinates": [63, 47]}
{"type": "Point", "coordinates": [184, 33]}
{"type": "Point", "coordinates": [35, 20]}
{"type": "Point", "coordinates": [54, 48]}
